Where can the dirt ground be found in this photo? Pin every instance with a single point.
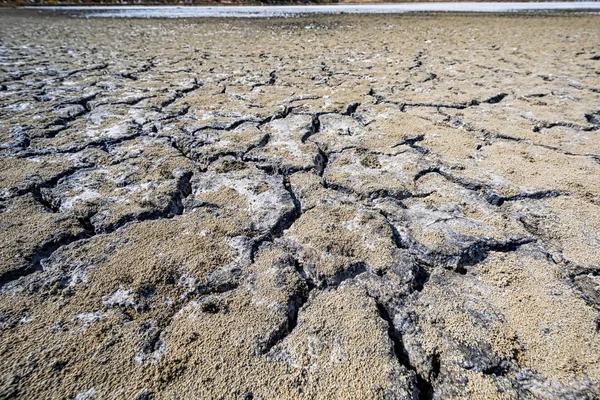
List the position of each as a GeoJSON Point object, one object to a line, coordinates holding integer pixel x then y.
{"type": "Point", "coordinates": [333, 207]}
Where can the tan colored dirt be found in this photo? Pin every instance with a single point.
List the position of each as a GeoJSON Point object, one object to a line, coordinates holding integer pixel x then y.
{"type": "Point", "coordinates": [333, 207]}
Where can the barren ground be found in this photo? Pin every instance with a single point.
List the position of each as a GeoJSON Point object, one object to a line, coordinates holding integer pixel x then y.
{"type": "Point", "coordinates": [346, 207]}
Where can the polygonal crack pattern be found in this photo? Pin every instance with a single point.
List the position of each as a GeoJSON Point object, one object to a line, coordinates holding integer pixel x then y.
{"type": "Point", "coordinates": [390, 207]}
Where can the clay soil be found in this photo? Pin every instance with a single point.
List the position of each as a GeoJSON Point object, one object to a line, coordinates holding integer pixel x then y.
{"type": "Point", "coordinates": [333, 207]}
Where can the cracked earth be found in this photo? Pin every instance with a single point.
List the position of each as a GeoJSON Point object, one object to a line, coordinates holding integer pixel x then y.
{"type": "Point", "coordinates": [351, 207]}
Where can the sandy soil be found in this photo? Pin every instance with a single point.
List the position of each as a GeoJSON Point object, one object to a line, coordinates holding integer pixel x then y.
{"type": "Point", "coordinates": [367, 207]}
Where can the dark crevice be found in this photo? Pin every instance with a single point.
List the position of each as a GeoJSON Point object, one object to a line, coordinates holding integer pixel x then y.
{"type": "Point", "coordinates": [99, 143]}
{"type": "Point", "coordinates": [217, 287]}
{"type": "Point", "coordinates": [266, 168]}
{"type": "Point", "coordinates": [417, 61]}
{"type": "Point", "coordinates": [501, 369]}
{"type": "Point", "coordinates": [270, 82]}
{"type": "Point", "coordinates": [173, 208]}
{"type": "Point", "coordinates": [13, 275]}
{"type": "Point", "coordinates": [89, 69]}
{"type": "Point", "coordinates": [458, 106]}
{"type": "Point", "coordinates": [539, 125]}
{"type": "Point", "coordinates": [287, 110]}
{"type": "Point", "coordinates": [229, 127]}
{"type": "Point", "coordinates": [180, 93]}
{"type": "Point", "coordinates": [378, 98]}
{"type": "Point", "coordinates": [426, 171]}
{"type": "Point", "coordinates": [36, 189]}
{"type": "Point", "coordinates": [430, 77]}
{"type": "Point", "coordinates": [500, 136]}
{"type": "Point", "coordinates": [595, 157]}
{"type": "Point", "coordinates": [496, 99]}
{"type": "Point", "coordinates": [583, 270]}
{"type": "Point", "coordinates": [394, 194]}
{"type": "Point", "coordinates": [351, 109]}
{"type": "Point", "coordinates": [488, 194]}
{"type": "Point", "coordinates": [467, 184]}
{"type": "Point", "coordinates": [593, 118]}
{"type": "Point", "coordinates": [315, 127]}
{"type": "Point", "coordinates": [62, 123]}
{"type": "Point", "coordinates": [86, 223]}
{"type": "Point", "coordinates": [48, 204]}
{"type": "Point", "coordinates": [284, 222]}
{"type": "Point", "coordinates": [295, 302]}
{"type": "Point", "coordinates": [171, 115]}
{"type": "Point", "coordinates": [397, 239]}
{"type": "Point", "coordinates": [205, 161]}
{"type": "Point", "coordinates": [421, 277]}
{"type": "Point", "coordinates": [262, 143]}
{"type": "Point", "coordinates": [338, 188]}
{"type": "Point", "coordinates": [130, 102]}
{"type": "Point", "coordinates": [497, 200]}
{"type": "Point", "coordinates": [175, 144]}
{"type": "Point", "coordinates": [83, 101]}
{"type": "Point", "coordinates": [479, 251]}
{"type": "Point", "coordinates": [59, 125]}
{"type": "Point", "coordinates": [264, 165]}
{"type": "Point", "coordinates": [471, 255]}
{"type": "Point", "coordinates": [321, 161]}
{"type": "Point", "coordinates": [470, 185]}
{"type": "Point", "coordinates": [345, 274]}
{"type": "Point", "coordinates": [41, 253]}
{"type": "Point", "coordinates": [410, 141]}
{"type": "Point", "coordinates": [129, 75]}
{"type": "Point", "coordinates": [184, 189]}
{"type": "Point", "coordinates": [424, 388]}
{"type": "Point", "coordinates": [288, 187]}
{"type": "Point", "coordinates": [310, 284]}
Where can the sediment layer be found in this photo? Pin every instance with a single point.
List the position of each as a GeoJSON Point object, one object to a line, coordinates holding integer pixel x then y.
{"type": "Point", "coordinates": [333, 207]}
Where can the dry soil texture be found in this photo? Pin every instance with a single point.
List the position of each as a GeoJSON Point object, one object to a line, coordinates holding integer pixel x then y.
{"type": "Point", "coordinates": [375, 207]}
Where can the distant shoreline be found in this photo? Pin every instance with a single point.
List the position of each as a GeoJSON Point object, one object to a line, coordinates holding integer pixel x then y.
{"type": "Point", "coordinates": [193, 3]}
{"type": "Point", "coordinates": [261, 11]}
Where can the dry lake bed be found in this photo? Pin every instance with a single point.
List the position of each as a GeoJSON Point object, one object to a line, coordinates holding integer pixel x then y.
{"type": "Point", "coordinates": [320, 207]}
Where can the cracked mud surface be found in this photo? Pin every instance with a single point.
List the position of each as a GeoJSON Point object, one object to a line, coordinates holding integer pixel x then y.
{"type": "Point", "coordinates": [388, 207]}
